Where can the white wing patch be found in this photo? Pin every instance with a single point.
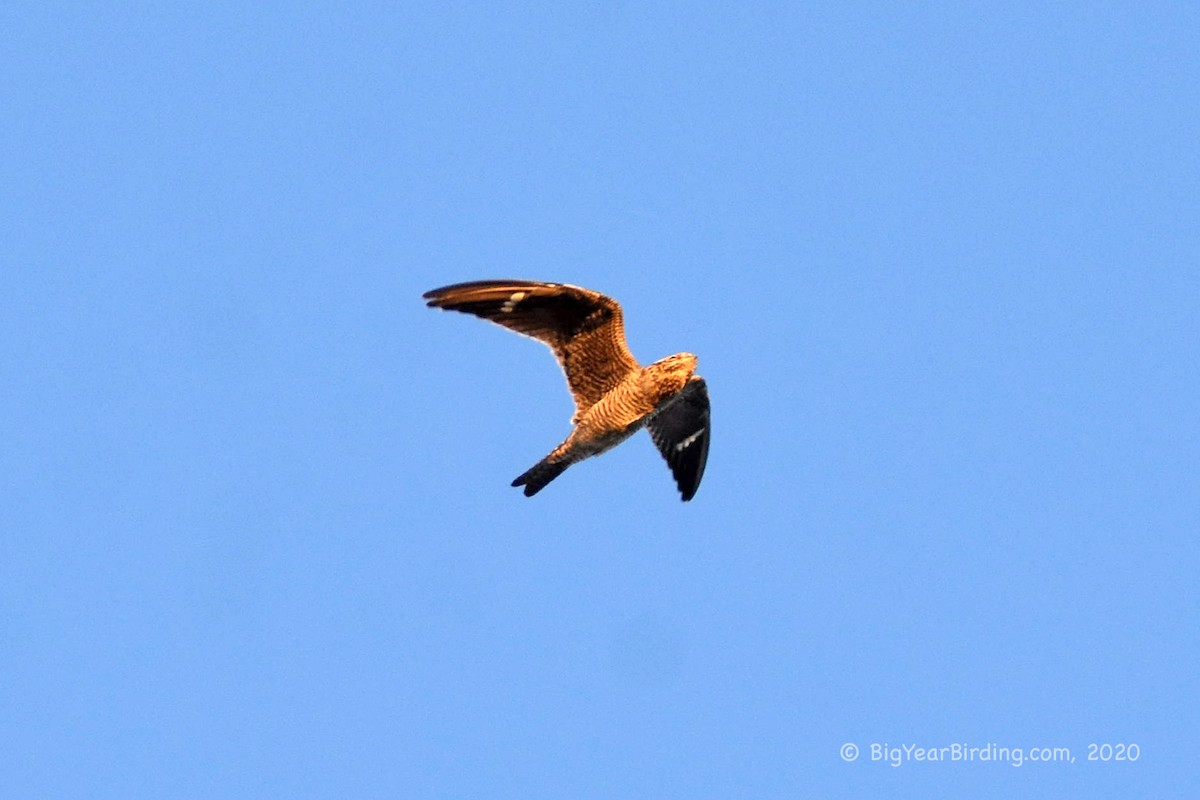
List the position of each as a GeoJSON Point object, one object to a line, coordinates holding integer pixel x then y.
{"type": "Point", "coordinates": [511, 302]}
{"type": "Point", "coordinates": [689, 440]}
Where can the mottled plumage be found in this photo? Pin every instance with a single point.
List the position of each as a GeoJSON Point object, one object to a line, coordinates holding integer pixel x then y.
{"type": "Point", "coordinates": [614, 395]}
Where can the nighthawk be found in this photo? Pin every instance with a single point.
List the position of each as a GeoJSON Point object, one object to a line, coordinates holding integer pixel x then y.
{"type": "Point", "coordinates": [614, 395]}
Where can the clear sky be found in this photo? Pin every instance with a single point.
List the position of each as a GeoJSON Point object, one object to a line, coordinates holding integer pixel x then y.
{"type": "Point", "coordinates": [941, 266]}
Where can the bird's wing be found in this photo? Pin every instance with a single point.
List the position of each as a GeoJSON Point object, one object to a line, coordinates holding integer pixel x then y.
{"type": "Point", "coordinates": [680, 432]}
{"type": "Point", "coordinates": [584, 328]}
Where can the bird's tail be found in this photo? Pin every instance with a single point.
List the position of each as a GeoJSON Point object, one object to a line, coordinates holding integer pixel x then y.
{"type": "Point", "coordinates": [541, 473]}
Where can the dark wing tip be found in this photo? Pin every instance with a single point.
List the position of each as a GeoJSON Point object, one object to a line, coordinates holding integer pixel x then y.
{"type": "Point", "coordinates": [687, 488]}
{"type": "Point", "coordinates": [691, 471]}
{"type": "Point", "coordinates": [438, 296]}
{"type": "Point", "coordinates": [681, 434]}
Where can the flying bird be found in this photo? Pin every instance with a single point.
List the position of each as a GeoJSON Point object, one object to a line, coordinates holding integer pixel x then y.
{"type": "Point", "coordinates": [614, 395]}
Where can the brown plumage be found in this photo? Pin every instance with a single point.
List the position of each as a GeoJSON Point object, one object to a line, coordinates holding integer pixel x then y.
{"type": "Point", "coordinates": [614, 395]}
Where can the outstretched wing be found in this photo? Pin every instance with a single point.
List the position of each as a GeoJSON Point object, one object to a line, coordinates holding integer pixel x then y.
{"type": "Point", "coordinates": [680, 432]}
{"type": "Point", "coordinates": [584, 328]}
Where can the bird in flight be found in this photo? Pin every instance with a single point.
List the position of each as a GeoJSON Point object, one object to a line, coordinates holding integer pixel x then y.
{"type": "Point", "coordinates": [614, 395]}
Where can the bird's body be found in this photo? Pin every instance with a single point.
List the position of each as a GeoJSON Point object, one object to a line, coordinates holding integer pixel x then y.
{"type": "Point", "coordinates": [614, 395]}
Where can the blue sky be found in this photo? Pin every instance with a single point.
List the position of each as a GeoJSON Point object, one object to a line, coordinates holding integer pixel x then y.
{"type": "Point", "coordinates": [939, 262]}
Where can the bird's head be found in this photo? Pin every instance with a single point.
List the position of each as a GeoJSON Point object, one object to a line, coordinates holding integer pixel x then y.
{"type": "Point", "coordinates": [673, 372]}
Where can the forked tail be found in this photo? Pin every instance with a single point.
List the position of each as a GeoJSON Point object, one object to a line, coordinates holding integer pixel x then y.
{"type": "Point", "coordinates": [536, 478]}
